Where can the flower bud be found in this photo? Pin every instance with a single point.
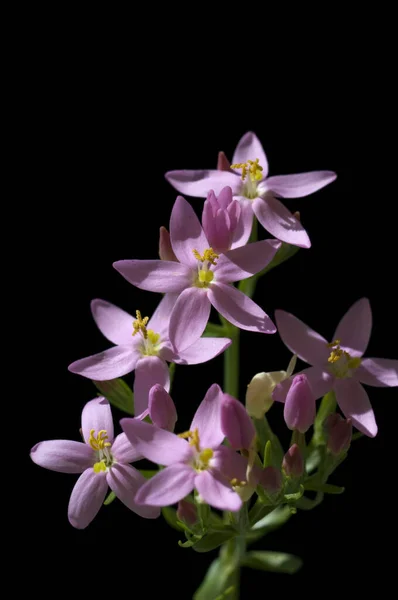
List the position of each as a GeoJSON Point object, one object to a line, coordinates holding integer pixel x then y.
{"type": "Point", "coordinates": [339, 433]}
{"type": "Point", "coordinates": [220, 219]}
{"type": "Point", "coordinates": [293, 463]}
{"type": "Point", "coordinates": [299, 409]}
{"type": "Point", "coordinates": [161, 408]}
{"type": "Point", "coordinates": [259, 391]}
{"type": "Point", "coordinates": [271, 480]}
{"type": "Point", "coordinates": [236, 424]}
{"type": "Point", "coordinates": [223, 163]}
{"type": "Point", "coordinates": [186, 512]}
{"type": "Point", "coordinates": [166, 252]}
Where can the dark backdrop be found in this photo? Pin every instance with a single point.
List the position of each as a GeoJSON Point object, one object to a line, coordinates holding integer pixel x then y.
{"type": "Point", "coordinates": [98, 154]}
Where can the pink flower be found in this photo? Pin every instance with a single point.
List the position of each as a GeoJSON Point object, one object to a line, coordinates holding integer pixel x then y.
{"type": "Point", "coordinates": [194, 459]}
{"type": "Point", "coordinates": [102, 462]}
{"type": "Point", "coordinates": [339, 365]}
{"type": "Point", "coordinates": [255, 191]}
{"type": "Point", "coordinates": [142, 345]}
{"type": "Point", "coordinates": [201, 279]}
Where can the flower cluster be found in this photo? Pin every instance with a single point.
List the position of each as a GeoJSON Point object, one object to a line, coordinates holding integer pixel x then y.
{"type": "Point", "coordinates": [229, 459]}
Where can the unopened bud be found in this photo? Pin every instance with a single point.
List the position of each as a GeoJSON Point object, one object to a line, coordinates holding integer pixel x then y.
{"type": "Point", "coordinates": [271, 480]}
{"type": "Point", "coordinates": [161, 408]}
{"type": "Point", "coordinates": [259, 391]}
{"type": "Point", "coordinates": [166, 252]}
{"type": "Point", "coordinates": [186, 512]}
{"type": "Point", "coordinates": [223, 163]}
{"type": "Point", "coordinates": [236, 424]}
{"type": "Point", "coordinates": [339, 433]}
{"type": "Point", "coordinates": [293, 463]}
{"type": "Point", "coordinates": [299, 411]}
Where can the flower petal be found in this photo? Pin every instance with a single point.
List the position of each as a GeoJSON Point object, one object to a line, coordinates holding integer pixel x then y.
{"type": "Point", "coordinates": [245, 223]}
{"type": "Point", "coordinates": [199, 183]}
{"type": "Point", "coordinates": [207, 418]}
{"type": "Point", "coordinates": [124, 451]}
{"type": "Point", "coordinates": [113, 322]}
{"type": "Point", "coordinates": [217, 492]}
{"type": "Point", "coordinates": [378, 372]}
{"type": "Point", "coordinates": [355, 404]}
{"type": "Point", "coordinates": [155, 275]}
{"type": "Point", "coordinates": [64, 456]}
{"type": "Point", "coordinates": [189, 317]}
{"type": "Point", "coordinates": [309, 345]}
{"type": "Point", "coordinates": [239, 309]}
{"type": "Point", "coordinates": [161, 408]}
{"type": "Point", "coordinates": [125, 481]}
{"type": "Point", "coordinates": [202, 350]}
{"type": "Point", "coordinates": [158, 445]}
{"type": "Point", "coordinates": [97, 415]}
{"type": "Point", "coordinates": [149, 370]}
{"type": "Point", "coordinates": [355, 327]}
{"type": "Point", "coordinates": [229, 463]}
{"type": "Point", "coordinates": [186, 233]}
{"type": "Point", "coordinates": [246, 261]}
{"type": "Point", "coordinates": [299, 184]}
{"type": "Point", "coordinates": [280, 222]}
{"type": "Point", "coordinates": [159, 322]}
{"type": "Point", "coordinates": [86, 498]}
{"type": "Point", "coordinates": [167, 487]}
{"type": "Point", "coordinates": [321, 383]}
{"type": "Point", "coordinates": [111, 363]}
{"type": "Point", "coordinates": [249, 148]}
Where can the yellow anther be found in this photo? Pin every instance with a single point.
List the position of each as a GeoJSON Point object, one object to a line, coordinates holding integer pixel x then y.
{"type": "Point", "coordinates": [99, 466]}
{"type": "Point", "coordinates": [354, 363]}
{"type": "Point", "coordinates": [140, 324]}
{"type": "Point", "coordinates": [341, 361]}
{"type": "Point", "coordinates": [152, 336]}
{"type": "Point", "coordinates": [193, 437]}
{"type": "Point", "coordinates": [99, 443]}
{"type": "Point", "coordinates": [252, 167]}
{"type": "Point", "coordinates": [334, 343]}
{"type": "Point", "coordinates": [208, 255]}
{"type": "Point", "coordinates": [205, 455]}
{"type": "Point", "coordinates": [205, 276]}
{"type": "Point", "coordinates": [236, 483]}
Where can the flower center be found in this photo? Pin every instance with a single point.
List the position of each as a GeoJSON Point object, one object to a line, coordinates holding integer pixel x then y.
{"type": "Point", "coordinates": [341, 363]}
{"type": "Point", "coordinates": [205, 274]}
{"type": "Point", "coordinates": [202, 458]}
{"type": "Point", "coordinates": [251, 175]}
{"type": "Point", "coordinates": [102, 449]}
{"type": "Point", "coordinates": [150, 339]}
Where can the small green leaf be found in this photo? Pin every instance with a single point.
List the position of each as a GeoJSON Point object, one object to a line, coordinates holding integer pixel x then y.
{"type": "Point", "coordinates": [268, 454]}
{"type": "Point", "coordinates": [326, 488]}
{"type": "Point", "coordinates": [170, 516]}
{"type": "Point", "coordinates": [110, 498]}
{"type": "Point", "coordinates": [213, 540]}
{"type": "Point", "coordinates": [276, 562]}
{"type": "Point", "coordinates": [118, 393]}
{"type": "Point", "coordinates": [216, 582]}
{"type": "Point", "coordinates": [268, 523]}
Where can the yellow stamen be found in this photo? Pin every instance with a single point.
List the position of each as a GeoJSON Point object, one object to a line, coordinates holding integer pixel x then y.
{"type": "Point", "coordinates": [206, 276]}
{"type": "Point", "coordinates": [354, 363]}
{"type": "Point", "coordinates": [152, 336]}
{"type": "Point", "coordinates": [341, 360]}
{"type": "Point", "coordinates": [208, 255]}
{"type": "Point", "coordinates": [99, 466]}
{"type": "Point", "coordinates": [193, 437]}
{"type": "Point", "coordinates": [140, 324]}
{"type": "Point", "coordinates": [235, 482]}
{"type": "Point", "coordinates": [251, 167]}
{"type": "Point", "coordinates": [334, 343]}
{"type": "Point", "coordinates": [206, 455]}
{"type": "Point", "coordinates": [98, 443]}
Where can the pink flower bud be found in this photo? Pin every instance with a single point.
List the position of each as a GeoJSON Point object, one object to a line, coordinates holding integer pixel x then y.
{"type": "Point", "coordinates": [186, 512]}
{"type": "Point", "coordinates": [223, 163]}
{"type": "Point", "coordinates": [236, 424]}
{"type": "Point", "coordinates": [299, 410]}
{"type": "Point", "coordinates": [161, 408]}
{"type": "Point", "coordinates": [220, 219]}
{"type": "Point", "coordinates": [293, 463]}
{"type": "Point", "coordinates": [271, 480]}
{"type": "Point", "coordinates": [339, 433]}
{"type": "Point", "coordinates": [165, 250]}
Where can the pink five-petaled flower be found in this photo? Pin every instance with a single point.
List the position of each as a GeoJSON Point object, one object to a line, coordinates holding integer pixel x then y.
{"type": "Point", "coordinates": [142, 345]}
{"type": "Point", "coordinates": [255, 191]}
{"type": "Point", "coordinates": [102, 462]}
{"type": "Point", "coordinates": [194, 459]}
{"type": "Point", "coordinates": [202, 278]}
{"type": "Point", "coordinates": [339, 365]}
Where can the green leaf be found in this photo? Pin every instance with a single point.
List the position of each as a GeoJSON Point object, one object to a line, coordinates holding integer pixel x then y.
{"type": "Point", "coordinates": [110, 498]}
{"type": "Point", "coordinates": [276, 562]}
{"type": "Point", "coordinates": [214, 539]}
{"type": "Point", "coordinates": [275, 519]}
{"type": "Point", "coordinates": [148, 473]}
{"type": "Point", "coordinates": [267, 454]}
{"type": "Point", "coordinates": [307, 504]}
{"type": "Point", "coordinates": [326, 408]}
{"type": "Point", "coordinates": [118, 393]}
{"type": "Point", "coordinates": [326, 488]}
{"type": "Point", "coordinates": [170, 516]}
{"type": "Point", "coordinates": [215, 585]}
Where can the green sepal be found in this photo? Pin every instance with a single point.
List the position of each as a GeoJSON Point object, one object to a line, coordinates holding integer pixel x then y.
{"type": "Point", "coordinates": [326, 488]}
{"type": "Point", "coordinates": [267, 462]}
{"type": "Point", "coordinates": [326, 408]}
{"type": "Point", "coordinates": [118, 393]}
{"type": "Point", "coordinates": [296, 495]}
{"type": "Point", "coordinates": [214, 539]}
{"type": "Point", "coordinates": [109, 499]}
{"type": "Point", "coordinates": [275, 562]}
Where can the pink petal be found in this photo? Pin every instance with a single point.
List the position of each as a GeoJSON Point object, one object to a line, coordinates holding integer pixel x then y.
{"type": "Point", "coordinates": [321, 383]}
{"type": "Point", "coordinates": [112, 363]}
{"type": "Point", "coordinates": [246, 261]}
{"type": "Point", "coordinates": [199, 183]}
{"type": "Point", "coordinates": [159, 322]}
{"type": "Point", "coordinates": [86, 498]}
{"type": "Point", "coordinates": [229, 463]}
{"type": "Point", "coordinates": [64, 456]}
{"type": "Point", "coordinates": [189, 317]}
{"type": "Point", "coordinates": [245, 223]}
{"type": "Point", "coordinates": [355, 327]}
{"type": "Point", "coordinates": [207, 418]}
{"type": "Point", "coordinates": [158, 445]}
{"type": "Point", "coordinates": [238, 309]}
{"type": "Point", "coordinates": [355, 404]}
{"type": "Point", "coordinates": [280, 222]}
{"type": "Point", "coordinates": [113, 322]}
{"type": "Point", "coordinates": [202, 350]}
{"type": "Point", "coordinates": [217, 491]}
{"type": "Point", "coordinates": [167, 487]}
{"type": "Point", "coordinates": [309, 345]}
{"type": "Point", "coordinates": [300, 184]}
{"type": "Point", "coordinates": [161, 408]}
{"type": "Point", "coordinates": [155, 275]}
{"type": "Point", "coordinates": [125, 481]}
{"type": "Point", "coordinates": [186, 233]}
{"type": "Point", "coordinates": [249, 148]}
{"type": "Point", "coordinates": [378, 372]}
{"type": "Point", "coordinates": [97, 415]}
{"type": "Point", "coordinates": [236, 424]}
{"type": "Point", "coordinates": [149, 370]}
{"type": "Point", "coordinates": [124, 451]}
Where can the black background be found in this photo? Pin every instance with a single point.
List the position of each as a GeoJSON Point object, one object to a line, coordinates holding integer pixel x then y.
{"type": "Point", "coordinates": [98, 149]}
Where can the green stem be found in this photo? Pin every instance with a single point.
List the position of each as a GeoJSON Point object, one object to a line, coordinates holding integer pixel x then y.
{"type": "Point", "coordinates": [231, 363]}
